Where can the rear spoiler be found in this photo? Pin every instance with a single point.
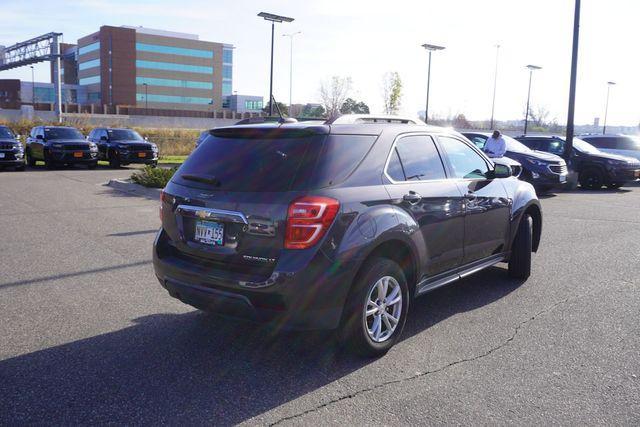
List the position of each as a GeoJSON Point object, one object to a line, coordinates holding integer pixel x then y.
{"type": "Point", "coordinates": [273, 131]}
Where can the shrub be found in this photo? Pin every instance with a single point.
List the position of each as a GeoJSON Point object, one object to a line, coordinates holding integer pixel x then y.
{"type": "Point", "coordinates": [153, 177]}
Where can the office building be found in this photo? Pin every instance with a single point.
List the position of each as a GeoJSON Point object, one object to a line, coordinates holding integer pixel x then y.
{"type": "Point", "coordinates": [153, 68]}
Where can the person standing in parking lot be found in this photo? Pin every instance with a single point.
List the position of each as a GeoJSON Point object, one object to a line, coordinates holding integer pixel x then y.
{"type": "Point", "coordinates": [495, 145]}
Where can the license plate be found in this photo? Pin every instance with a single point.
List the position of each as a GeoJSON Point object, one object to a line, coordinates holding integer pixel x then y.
{"type": "Point", "coordinates": [563, 178]}
{"type": "Point", "coordinates": [142, 154]}
{"type": "Point", "coordinates": [1, 155]}
{"type": "Point", "coordinates": [209, 233]}
{"type": "Point", "coordinates": [77, 154]}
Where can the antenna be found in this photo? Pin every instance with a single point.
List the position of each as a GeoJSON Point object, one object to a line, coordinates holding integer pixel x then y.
{"type": "Point", "coordinates": [283, 119]}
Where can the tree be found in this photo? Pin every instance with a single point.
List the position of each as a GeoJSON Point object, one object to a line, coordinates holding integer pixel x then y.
{"type": "Point", "coordinates": [312, 110]}
{"type": "Point", "coordinates": [333, 93]}
{"type": "Point", "coordinates": [538, 115]}
{"type": "Point", "coordinates": [461, 122]}
{"type": "Point", "coordinates": [391, 92]}
{"type": "Point", "coordinates": [283, 108]}
{"type": "Point", "coordinates": [351, 106]}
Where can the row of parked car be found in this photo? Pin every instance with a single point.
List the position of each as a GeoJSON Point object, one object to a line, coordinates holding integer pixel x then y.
{"type": "Point", "coordinates": [610, 160]}
{"type": "Point", "coordinates": [64, 145]}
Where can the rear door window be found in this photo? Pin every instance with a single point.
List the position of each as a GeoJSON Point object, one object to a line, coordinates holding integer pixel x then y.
{"type": "Point", "coordinates": [415, 158]}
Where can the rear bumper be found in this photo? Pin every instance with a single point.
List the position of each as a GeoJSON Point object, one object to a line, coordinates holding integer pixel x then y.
{"type": "Point", "coordinates": [311, 298]}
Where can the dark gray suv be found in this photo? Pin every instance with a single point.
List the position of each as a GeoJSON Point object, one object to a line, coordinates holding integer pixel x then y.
{"type": "Point", "coordinates": [338, 225]}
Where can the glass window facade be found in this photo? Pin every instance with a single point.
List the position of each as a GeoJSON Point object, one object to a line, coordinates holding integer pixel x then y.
{"type": "Point", "coordinates": [173, 83]}
{"type": "Point", "coordinates": [47, 94]}
{"type": "Point", "coordinates": [253, 105]}
{"type": "Point", "coordinates": [227, 72]}
{"type": "Point", "coordinates": [227, 56]}
{"type": "Point", "coordinates": [93, 96]}
{"type": "Point", "coordinates": [90, 80]}
{"type": "Point", "coordinates": [89, 48]}
{"type": "Point", "coordinates": [226, 88]}
{"type": "Point", "coordinates": [168, 66]}
{"type": "Point", "coordinates": [173, 99]}
{"type": "Point", "coordinates": [89, 64]}
{"type": "Point", "coordinates": [173, 50]}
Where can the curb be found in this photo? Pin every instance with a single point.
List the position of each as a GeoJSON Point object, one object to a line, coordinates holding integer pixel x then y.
{"type": "Point", "coordinates": [126, 186]}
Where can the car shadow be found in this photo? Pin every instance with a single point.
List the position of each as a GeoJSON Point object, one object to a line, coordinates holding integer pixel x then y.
{"type": "Point", "coordinates": [196, 368]}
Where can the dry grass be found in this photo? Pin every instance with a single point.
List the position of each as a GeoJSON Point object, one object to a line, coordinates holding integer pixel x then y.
{"type": "Point", "coordinates": [172, 142]}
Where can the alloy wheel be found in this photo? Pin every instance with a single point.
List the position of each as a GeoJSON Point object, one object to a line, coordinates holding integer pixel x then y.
{"type": "Point", "coordinates": [383, 308]}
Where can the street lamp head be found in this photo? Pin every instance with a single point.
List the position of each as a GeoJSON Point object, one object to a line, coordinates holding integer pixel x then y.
{"type": "Point", "coordinates": [611, 83]}
{"type": "Point", "coordinates": [274, 18]}
{"type": "Point", "coordinates": [533, 67]}
{"type": "Point", "coordinates": [432, 47]}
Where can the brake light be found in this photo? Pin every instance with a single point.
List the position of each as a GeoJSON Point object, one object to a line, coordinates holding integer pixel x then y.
{"type": "Point", "coordinates": [164, 198]}
{"type": "Point", "coordinates": [308, 219]}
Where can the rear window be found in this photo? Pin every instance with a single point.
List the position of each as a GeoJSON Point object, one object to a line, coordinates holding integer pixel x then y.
{"type": "Point", "coordinates": [265, 165]}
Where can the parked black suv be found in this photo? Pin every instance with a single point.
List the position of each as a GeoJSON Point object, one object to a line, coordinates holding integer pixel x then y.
{"type": "Point", "coordinates": [594, 167]}
{"type": "Point", "coordinates": [11, 150]}
{"type": "Point", "coordinates": [58, 145]}
{"type": "Point", "coordinates": [337, 225]}
{"type": "Point", "coordinates": [123, 146]}
{"type": "Point", "coordinates": [544, 170]}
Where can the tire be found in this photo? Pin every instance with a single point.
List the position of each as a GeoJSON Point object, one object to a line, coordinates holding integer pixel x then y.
{"type": "Point", "coordinates": [92, 165]}
{"type": "Point", "coordinates": [591, 179]}
{"type": "Point", "coordinates": [20, 168]}
{"type": "Point", "coordinates": [520, 260]}
{"type": "Point", "coordinates": [543, 189]}
{"type": "Point", "coordinates": [114, 162]}
{"type": "Point", "coordinates": [153, 164]}
{"type": "Point", "coordinates": [614, 185]}
{"type": "Point", "coordinates": [358, 332]}
{"type": "Point", "coordinates": [30, 160]}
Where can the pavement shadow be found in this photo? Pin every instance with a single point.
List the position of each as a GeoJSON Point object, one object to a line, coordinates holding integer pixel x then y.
{"type": "Point", "coordinates": [196, 368]}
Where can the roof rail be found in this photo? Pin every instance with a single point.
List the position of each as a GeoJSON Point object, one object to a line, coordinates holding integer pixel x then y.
{"type": "Point", "coordinates": [348, 119]}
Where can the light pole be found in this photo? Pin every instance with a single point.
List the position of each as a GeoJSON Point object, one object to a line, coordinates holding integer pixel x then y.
{"type": "Point", "coordinates": [33, 88]}
{"type": "Point", "coordinates": [568, 146]}
{"type": "Point", "coordinates": [291, 36]}
{"type": "Point", "coordinates": [495, 84]}
{"type": "Point", "coordinates": [531, 69]}
{"type": "Point", "coordinates": [430, 48]}
{"type": "Point", "coordinates": [606, 107]}
{"type": "Point", "coordinates": [273, 18]}
{"type": "Point", "coordinates": [146, 98]}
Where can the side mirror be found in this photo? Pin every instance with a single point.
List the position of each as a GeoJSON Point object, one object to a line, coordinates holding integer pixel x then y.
{"type": "Point", "coordinates": [40, 137]}
{"type": "Point", "coordinates": [103, 138]}
{"type": "Point", "coordinates": [501, 171]}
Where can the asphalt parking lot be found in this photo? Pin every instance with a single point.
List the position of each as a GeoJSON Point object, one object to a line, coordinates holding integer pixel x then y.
{"type": "Point", "coordinates": [87, 335]}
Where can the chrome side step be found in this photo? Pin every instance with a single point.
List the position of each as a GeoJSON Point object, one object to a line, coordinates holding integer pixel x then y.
{"type": "Point", "coordinates": [462, 272]}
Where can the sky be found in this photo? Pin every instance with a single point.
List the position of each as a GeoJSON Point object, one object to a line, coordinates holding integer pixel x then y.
{"type": "Point", "coordinates": [365, 39]}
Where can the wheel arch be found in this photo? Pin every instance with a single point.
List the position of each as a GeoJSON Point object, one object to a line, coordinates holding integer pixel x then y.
{"type": "Point", "coordinates": [401, 252]}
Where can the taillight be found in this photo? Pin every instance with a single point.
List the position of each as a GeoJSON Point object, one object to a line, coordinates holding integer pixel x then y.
{"type": "Point", "coordinates": [164, 198]}
{"type": "Point", "coordinates": [308, 219]}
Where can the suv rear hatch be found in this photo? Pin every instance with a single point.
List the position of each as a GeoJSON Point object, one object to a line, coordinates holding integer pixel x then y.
{"type": "Point", "coordinates": [227, 206]}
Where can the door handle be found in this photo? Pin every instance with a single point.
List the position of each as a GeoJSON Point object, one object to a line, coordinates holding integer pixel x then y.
{"type": "Point", "coordinates": [412, 197]}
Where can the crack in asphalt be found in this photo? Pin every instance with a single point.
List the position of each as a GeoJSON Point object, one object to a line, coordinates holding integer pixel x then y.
{"type": "Point", "coordinates": [504, 343]}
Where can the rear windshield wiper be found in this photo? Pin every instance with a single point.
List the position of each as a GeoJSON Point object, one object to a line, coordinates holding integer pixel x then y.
{"type": "Point", "coordinates": [211, 180]}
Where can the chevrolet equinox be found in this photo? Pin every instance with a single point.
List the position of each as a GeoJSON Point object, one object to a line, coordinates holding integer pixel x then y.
{"type": "Point", "coordinates": [338, 225]}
